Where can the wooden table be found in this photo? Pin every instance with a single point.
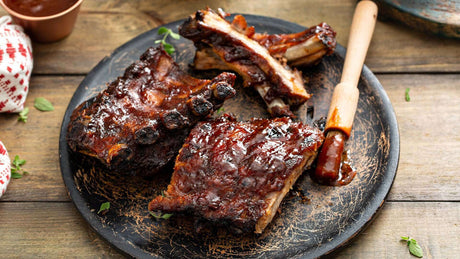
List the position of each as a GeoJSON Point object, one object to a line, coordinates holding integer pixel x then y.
{"type": "Point", "coordinates": [37, 217]}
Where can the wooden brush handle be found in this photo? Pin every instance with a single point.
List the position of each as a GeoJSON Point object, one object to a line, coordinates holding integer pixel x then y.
{"type": "Point", "coordinates": [345, 97]}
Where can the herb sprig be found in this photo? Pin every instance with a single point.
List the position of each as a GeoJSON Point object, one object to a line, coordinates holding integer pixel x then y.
{"type": "Point", "coordinates": [161, 216]}
{"type": "Point", "coordinates": [414, 247]}
{"type": "Point", "coordinates": [167, 32]}
{"type": "Point", "coordinates": [23, 115]}
{"type": "Point", "coordinates": [16, 168]}
{"type": "Point", "coordinates": [407, 95]}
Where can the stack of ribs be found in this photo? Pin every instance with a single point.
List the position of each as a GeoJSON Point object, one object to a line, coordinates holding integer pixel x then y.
{"type": "Point", "coordinates": [236, 174]}
{"type": "Point", "coordinates": [139, 123]}
{"type": "Point", "coordinates": [261, 59]}
{"type": "Point", "coordinates": [227, 172]}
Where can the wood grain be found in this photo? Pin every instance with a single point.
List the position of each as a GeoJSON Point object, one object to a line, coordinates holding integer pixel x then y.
{"type": "Point", "coordinates": [430, 139]}
{"type": "Point", "coordinates": [52, 230]}
{"type": "Point", "coordinates": [48, 230]}
{"type": "Point", "coordinates": [37, 141]}
{"type": "Point", "coordinates": [38, 219]}
{"type": "Point", "coordinates": [435, 226]}
{"type": "Point", "coordinates": [102, 26]}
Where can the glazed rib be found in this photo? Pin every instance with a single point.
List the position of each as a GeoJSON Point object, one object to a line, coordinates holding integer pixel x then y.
{"type": "Point", "coordinates": [278, 85]}
{"type": "Point", "coordinates": [304, 48]}
{"type": "Point", "coordinates": [140, 121]}
{"type": "Point", "coordinates": [236, 173]}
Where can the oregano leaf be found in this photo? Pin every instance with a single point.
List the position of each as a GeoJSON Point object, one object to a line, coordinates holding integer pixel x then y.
{"type": "Point", "coordinates": [23, 115]}
{"type": "Point", "coordinates": [16, 175]}
{"type": "Point", "coordinates": [407, 95]}
{"type": "Point", "coordinates": [415, 249]}
{"type": "Point", "coordinates": [174, 35]}
{"type": "Point", "coordinates": [104, 206]}
{"type": "Point", "coordinates": [162, 30]}
{"type": "Point", "coordinates": [161, 216]}
{"type": "Point", "coordinates": [43, 105]}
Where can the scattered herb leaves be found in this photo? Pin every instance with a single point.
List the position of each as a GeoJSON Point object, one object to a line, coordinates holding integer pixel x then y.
{"type": "Point", "coordinates": [407, 95]}
{"type": "Point", "coordinates": [167, 32]}
{"type": "Point", "coordinates": [414, 247]}
{"type": "Point", "coordinates": [161, 216]}
{"type": "Point", "coordinates": [16, 168]}
{"type": "Point", "coordinates": [43, 105]}
{"type": "Point", "coordinates": [104, 207]}
{"type": "Point", "coordinates": [23, 115]}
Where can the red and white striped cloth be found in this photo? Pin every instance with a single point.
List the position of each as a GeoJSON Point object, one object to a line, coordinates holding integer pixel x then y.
{"type": "Point", "coordinates": [5, 169]}
{"type": "Point", "coordinates": [16, 64]}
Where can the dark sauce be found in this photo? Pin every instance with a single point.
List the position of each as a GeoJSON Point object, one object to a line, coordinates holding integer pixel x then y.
{"type": "Point", "coordinates": [346, 172]}
{"type": "Point", "coordinates": [39, 8]}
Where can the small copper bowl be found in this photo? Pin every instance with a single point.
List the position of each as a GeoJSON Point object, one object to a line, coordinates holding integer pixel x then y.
{"type": "Point", "coordinates": [47, 28]}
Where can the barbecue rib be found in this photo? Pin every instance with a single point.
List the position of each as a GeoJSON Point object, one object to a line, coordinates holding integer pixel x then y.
{"type": "Point", "coordinates": [236, 173]}
{"type": "Point", "coordinates": [140, 121]}
{"type": "Point", "coordinates": [304, 48]}
{"type": "Point", "coordinates": [236, 47]}
{"type": "Point", "coordinates": [278, 85]}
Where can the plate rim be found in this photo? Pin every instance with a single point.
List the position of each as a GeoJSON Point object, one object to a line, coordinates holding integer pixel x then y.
{"type": "Point", "coordinates": [333, 246]}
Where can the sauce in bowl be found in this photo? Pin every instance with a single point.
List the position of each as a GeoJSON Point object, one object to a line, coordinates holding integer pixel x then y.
{"type": "Point", "coordinates": [39, 8]}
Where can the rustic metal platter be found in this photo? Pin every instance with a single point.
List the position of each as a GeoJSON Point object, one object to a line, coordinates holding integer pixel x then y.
{"type": "Point", "coordinates": [314, 220]}
{"type": "Point", "coordinates": [439, 17]}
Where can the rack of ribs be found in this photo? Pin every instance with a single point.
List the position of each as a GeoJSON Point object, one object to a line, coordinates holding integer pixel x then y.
{"type": "Point", "coordinates": [236, 174]}
{"type": "Point", "coordinates": [140, 121]}
{"type": "Point", "coordinates": [261, 59]}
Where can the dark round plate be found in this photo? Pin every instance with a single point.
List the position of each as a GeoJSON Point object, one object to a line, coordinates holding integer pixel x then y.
{"type": "Point", "coordinates": [325, 221]}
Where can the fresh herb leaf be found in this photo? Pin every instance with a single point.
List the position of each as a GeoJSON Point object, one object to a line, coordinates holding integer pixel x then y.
{"type": "Point", "coordinates": [169, 48]}
{"type": "Point", "coordinates": [174, 35]}
{"type": "Point", "coordinates": [16, 175]}
{"type": "Point", "coordinates": [163, 30]}
{"type": "Point", "coordinates": [104, 206]}
{"type": "Point", "coordinates": [43, 105]}
{"type": "Point", "coordinates": [414, 247]}
{"type": "Point", "coordinates": [16, 171]}
{"type": "Point", "coordinates": [17, 162]}
{"type": "Point", "coordinates": [167, 32]}
{"type": "Point", "coordinates": [161, 216]}
{"type": "Point", "coordinates": [23, 114]}
{"type": "Point", "coordinates": [407, 95]}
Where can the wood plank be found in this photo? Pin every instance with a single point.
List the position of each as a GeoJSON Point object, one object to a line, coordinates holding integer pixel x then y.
{"type": "Point", "coordinates": [37, 141]}
{"type": "Point", "coordinates": [429, 135]}
{"type": "Point", "coordinates": [49, 230]}
{"type": "Point", "coordinates": [24, 225]}
{"type": "Point", "coordinates": [428, 168]}
{"type": "Point", "coordinates": [104, 25]}
{"type": "Point", "coordinates": [435, 226]}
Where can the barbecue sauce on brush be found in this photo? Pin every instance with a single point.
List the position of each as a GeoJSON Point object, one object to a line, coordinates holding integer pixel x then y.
{"type": "Point", "coordinates": [39, 8]}
{"type": "Point", "coordinates": [337, 171]}
{"type": "Point", "coordinates": [329, 174]}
